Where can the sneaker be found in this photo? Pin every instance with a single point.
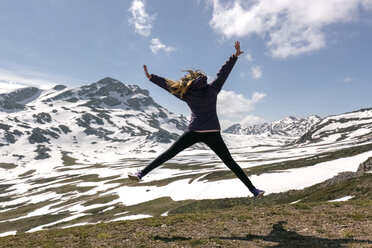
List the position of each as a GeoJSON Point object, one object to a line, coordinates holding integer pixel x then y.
{"type": "Point", "coordinates": [135, 176]}
{"type": "Point", "coordinates": [258, 193]}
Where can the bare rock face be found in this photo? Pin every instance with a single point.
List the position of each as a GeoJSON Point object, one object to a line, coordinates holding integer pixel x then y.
{"type": "Point", "coordinates": [14, 100]}
{"type": "Point", "coordinates": [42, 118]}
{"type": "Point", "coordinates": [59, 87]}
{"type": "Point", "coordinates": [39, 136]}
{"type": "Point", "coordinates": [42, 152]}
{"type": "Point", "coordinates": [365, 167]}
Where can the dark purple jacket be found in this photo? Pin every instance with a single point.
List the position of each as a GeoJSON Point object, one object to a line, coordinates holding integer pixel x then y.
{"type": "Point", "coordinates": [202, 97]}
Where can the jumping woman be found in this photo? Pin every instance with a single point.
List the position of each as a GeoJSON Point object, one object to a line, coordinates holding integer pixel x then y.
{"type": "Point", "coordinates": [204, 126]}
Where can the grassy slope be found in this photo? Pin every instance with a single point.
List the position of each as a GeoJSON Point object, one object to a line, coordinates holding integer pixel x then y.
{"type": "Point", "coordinates": [237, 222]}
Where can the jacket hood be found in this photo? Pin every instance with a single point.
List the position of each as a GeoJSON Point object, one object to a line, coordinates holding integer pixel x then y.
{"type": "Point", "coordinates": [200, 82]}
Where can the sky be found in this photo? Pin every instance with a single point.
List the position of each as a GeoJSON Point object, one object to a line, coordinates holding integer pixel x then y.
{"type": "Point", "coordinates": [301, 58]}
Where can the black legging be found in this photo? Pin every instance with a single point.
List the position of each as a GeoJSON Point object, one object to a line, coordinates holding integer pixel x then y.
{"type": "Point", "coordinates": [214, 141]}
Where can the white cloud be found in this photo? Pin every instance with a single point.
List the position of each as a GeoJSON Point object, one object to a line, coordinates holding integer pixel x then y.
{"type": "Point", "coordinates": [7, 87]}
{"type": "Point", "coordinates": [156, 46]}
{"type": "Point", "coordinates": [348, 80]}
{"type": "Point", "coordinates": [13, 76]}
{"type": "Point", "coordinates": [243, 74]}
{"type": "Point", "coordinates": [367, 4]}
{"type": "Point", "coordinates": [290, 27]}
{"type": "Point", "coordinates": [248, 57]}
{"type": "Point", "coordinates": [140, 19]}
{"type": "Point", "coordinates": [256, 72]}
{"type": "Point", "coordinates": [28, 78]}
{"type": "Point", "coordinates": [235, 107]}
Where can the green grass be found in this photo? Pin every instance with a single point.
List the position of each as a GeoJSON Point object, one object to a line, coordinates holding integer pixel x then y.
{"type": "Point", "coordinates": [22, 209]}
{"type": "Point", "coordinates": [27, 173]}
{"type": "Point", "coordinates": [67, 160]}
{"type": "Point", "coordinates": [101, 200]}
{"type": "Point", "coordinates": [233, 226]}
{"type": "Point", "coordinates": [189, 221]}
{"type": "Point", "coordinates": [8, 166]}
{"type": "Point", "coordinates": [87, 178]}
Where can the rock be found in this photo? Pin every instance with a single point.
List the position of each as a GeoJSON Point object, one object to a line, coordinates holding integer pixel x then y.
{"type": "Point", "coordinates": [9, 105]}
{"type": "Point", "coordinates": [5, 127]}
{"type": "Point", "coordinates": [364, 167]}
{"type": "Point", "coordinates": [63, 95]}
{"type": "Point", "coordinates": [162, 136]}
{"type": "Point", "coordinates": [72, 99]}
{"type": "Point", "coordinates": [42, 118]}
{"type": "Point", "coordinates": [42, 152]}
{"type": "Point", "coordinates": [20, 95]}
{"type": "Point", "coordinates": [65, 129]}
{"type": "Point", "coordinates": [99, 132]}
{"type": "Point", "coordinates": [10, 138]}
{"type": "Point", "coordinates": [86, 90]}
{"type": "Point", "coordinates": [111, 101]}
{"type": "Point", "coordinates": [59, 87]}
{"type": "Point", "coordinates": [38, 136]}
{"type": "Point", "coordinates": [339, 178]}
{"type": "Point", "coordinates": [134, 103]}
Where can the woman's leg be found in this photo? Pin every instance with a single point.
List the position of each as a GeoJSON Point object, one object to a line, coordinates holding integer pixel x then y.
{"type": "Point", "coordinates": [186, 140]}
{"type": "Point", "coordinates": [215, 142]}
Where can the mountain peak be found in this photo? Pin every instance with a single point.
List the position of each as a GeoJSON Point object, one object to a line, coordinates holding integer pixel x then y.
{"type": "Point", "coordinates": [108, 80]}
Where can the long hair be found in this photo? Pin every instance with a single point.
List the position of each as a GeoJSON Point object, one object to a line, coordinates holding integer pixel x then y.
{"type": "Point", "coordinates": [181, 86]}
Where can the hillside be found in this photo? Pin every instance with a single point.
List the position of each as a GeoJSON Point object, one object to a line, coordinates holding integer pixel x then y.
{"type": "Point", "coordinates": [273, 221]}
{"type": "Point", "coordinates": [350, 127]}
{"type": "Point", "coordinates": [64, 199]}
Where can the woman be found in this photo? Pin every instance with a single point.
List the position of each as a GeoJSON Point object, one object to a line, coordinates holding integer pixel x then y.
{"type": "Point", "coordinates": [204, 126]}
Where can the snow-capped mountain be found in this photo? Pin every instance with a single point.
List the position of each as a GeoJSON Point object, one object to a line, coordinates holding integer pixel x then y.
{"type": "Point", "coordinates": [353, 127]}
{"type": "Point", "coordinates": [106, 115]}
{"type": "Point", "coordinates": [290, 126]}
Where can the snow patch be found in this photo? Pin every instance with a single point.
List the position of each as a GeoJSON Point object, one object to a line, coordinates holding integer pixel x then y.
{"type": "Point", "coordinates": [345, 198]}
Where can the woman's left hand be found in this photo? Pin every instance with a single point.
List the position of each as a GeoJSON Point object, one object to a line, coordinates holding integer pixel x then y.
{"type": "Point", "coordinates": [146, 72]}
{"type": "Point", "coordinates": [237, 48]}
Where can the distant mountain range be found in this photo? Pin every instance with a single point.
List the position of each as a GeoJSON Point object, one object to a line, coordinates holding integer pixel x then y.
{"type": "Point", "coordinates": [354, 128]}
{"type": "Point", "coordinates": [290, 126]}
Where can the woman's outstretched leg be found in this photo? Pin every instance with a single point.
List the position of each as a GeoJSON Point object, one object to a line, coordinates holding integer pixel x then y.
{"type": "Point", "coordinates": [186, 140]}
{"type": "Point", "coordinates": [216, 143]}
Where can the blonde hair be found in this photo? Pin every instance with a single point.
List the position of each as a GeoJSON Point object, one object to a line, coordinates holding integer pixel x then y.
{"type": "Point", "coordinates": [181, 86]}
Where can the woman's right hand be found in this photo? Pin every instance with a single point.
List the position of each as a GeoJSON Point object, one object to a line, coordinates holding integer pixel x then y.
{"type": "Point", "coordinates": [146, 72]}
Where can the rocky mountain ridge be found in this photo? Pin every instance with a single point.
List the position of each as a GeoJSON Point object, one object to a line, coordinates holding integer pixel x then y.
{"type": "Point", "coordinates": [353, 127]}
{"type": "Point", "coordinates": [290, 126]}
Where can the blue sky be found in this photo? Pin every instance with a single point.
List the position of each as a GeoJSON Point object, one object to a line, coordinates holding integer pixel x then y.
{"type": "Point", "coordinates": [301, 57]}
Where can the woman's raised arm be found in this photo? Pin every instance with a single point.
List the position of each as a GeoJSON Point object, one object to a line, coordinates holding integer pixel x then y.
{"type": "Point", "coordinates": [225, 70]}
{"type": "Point", "coordinates": [146, 72]}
